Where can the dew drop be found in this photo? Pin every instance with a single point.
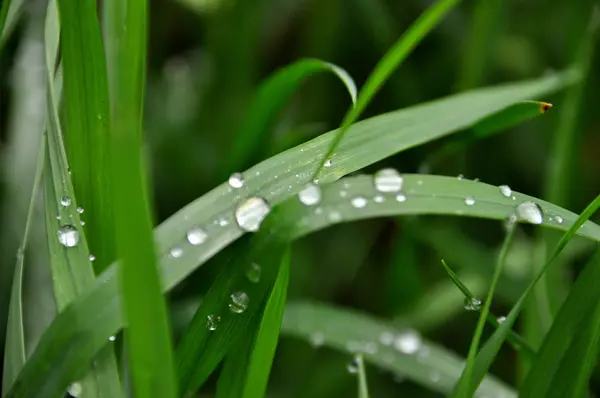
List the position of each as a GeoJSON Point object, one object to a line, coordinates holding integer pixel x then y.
{"type": "Point", "coordinates": [80, 210]}
{"type": "Point", "coordinates": [75, 389]}
{"type": "Point", "coordinates": [501, 319]}
{"type": "Point", "coordinates": [558, 219]}
{"type": "Point", "coordinates": [401, 198]}
{"type": "Point", "coordinates": [408, 342]}
{"type": "Point", "coordinates": [311, 195]}
{"type": "Point", "coordinates": [196, 236]}
{"type": "Point", "coordinates": [236, 180]}
{"type": "Point", "coordinates": [505, 190]}
{"type": "Point", "coordinates": [92, 258]}
{"type": "Point", "coordinates": [176, 252]}
{"type": "Point", "coordinates": [82, 223]}
{"type": "Point", "coordinates": [251, 213]}
{"type": "Point", "coordinates": [358, 202]}
{"type": "Point", "coordinates": [388, 180]}
{"type": "Point", "coordinates": [460, 177]}
{"type": "Point", "coordinates": [530, 212]}
{"type": "Point", "coordinates": [386, 338]}
{"type": "Point", "coordinates": [335, 216]}
{"type": "Point", "coordinates": [317, 339]}
{"type": "Point", "coordinates": [469, 201]}
{"type": "Point", "coordinates": [68, 235]}
{"type": "Point", "coordinates": [112, 338]}
{"type": "Point", "coordinates": [354, 364]}
{"type": "Point", "coordinates": [212, 322]}
{"type": "Point", "coordinates": [328, 163]}
{"type": "Point", "coordinates": [343, 194]}
{"type": "Point", "coordinates": [66, 201]}
{"type": "Point", "coordinates": [239, 302]}
{"type": "Point", "coordinates": [223, 222]}
{"type": "Point", "coordinates": [253, 273]}
{"type": "Point", "coordinates": [472, 304]}
{"type": "Point", "coordinates": [379, 199]}
{"type": "Point", "coordinates": [58, 217]}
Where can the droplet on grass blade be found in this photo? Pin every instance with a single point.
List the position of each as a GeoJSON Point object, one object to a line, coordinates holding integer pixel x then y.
{"type": "Point", "coordinates": [505, 190]}
{"type": "Point", "coordinates": [469, 201]}
{"type": "Point", "coordinates": [472, 304]}
{"type": "Point", "coordinates": [176, 252]}
{"type": "Point", "coordinates": [311, 195]}
{"type": "Point", "coordinates": [68, 236]}
{"type": "Point", "coordinates": [239, 302]}
{"type": "Point", "coordinates": [212, 322]}
{"type": "Point", "coordinates": [328, 163]}
{"type": "Point", "coordinates": [236, 180]}
{"type": "Point", "coordinates": [501, 319]}
{"type": "Point", "coordinates": [388, 180]}
{"type": "Point", "coordinates": [334, 216]}
{"type": "Point", "coordinates": [558, 219]}
{"type": "Point", "coordinates": [75, 389]}
{"type": "Point", "coordinates": [354, 364]}
{"type": "Point", "coordinates": [251, 213]}
{"type": "Point", "coordinates": [80, 210]}
{"type": "Point", "coordinates": [408, 342]}
{"type": "Point", "coordinates": [66, 201]}
{"type": "Point", "coordinates": [92, 258]}
{"type": "Point", "coordinates": [379, 199]}
{"type": "Point", "coordinates": [317, 339]}
{"type": "Point", "coordinates": [401, 198]}
{"type": "Point", "coordinates": [253, 273]}
{"type": "Point", "coordinates": [196, 236]}
{"type": "Point", "coordinates": [358, 202]}
{"type": "Point", "coordinates": [530, 211]}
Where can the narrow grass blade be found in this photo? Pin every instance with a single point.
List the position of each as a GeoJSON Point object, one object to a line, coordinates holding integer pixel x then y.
{"type": "Point", "coordinates": [465, 388]}
{"type": "Point", "coordinates": [402, 352]}
{"type": "Point", "coordinates": [246, 370]}
{"type": "Point", "coordinates": [3, 13]}
{"type": "Point", "coordinates": [517, 342]}
{"type": "Point", "coordinates": [147, 335]}
{"type": "Point", "coordinates": [10, 12]}
{"type": "Point", "coordinates": [386, 66]}
{"type": "Point", "coordinates": [271, 98]}
{"type": "Point", "coordinates": [556, 371]}
{"type": "Point", "coordinates": [363, 388]}
{"type": "Point", "coordinates": [86, 107]}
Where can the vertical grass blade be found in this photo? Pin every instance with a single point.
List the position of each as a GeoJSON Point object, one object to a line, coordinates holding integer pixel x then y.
{"type": "Point", "coordinates": [147, 334]}
{"type": "Point", "coordinates": [10, 12]}
{"type": "Point", "coordinates": [86, 108]}
{"type": "Point", "coordinates": [363, 388]}
{"type": "Point", "coordinates": [3, 13]}
{"type": "Point", "coordinates": [386, 66]}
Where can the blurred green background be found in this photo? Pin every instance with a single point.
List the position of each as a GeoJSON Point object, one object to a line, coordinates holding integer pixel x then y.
{"type": "Point", "coordinates": [206, 59]}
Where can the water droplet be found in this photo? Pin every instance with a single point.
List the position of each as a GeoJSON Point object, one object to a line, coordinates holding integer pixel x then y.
{"type": "Point", "coordinates": [75, 389]}
{"type": "Point", "coordinates": [112, 338]}
{"type": "Point", "coordinates": [66, 201]}
{"type": "Point", "coordinates": [505, 190]}
{"type": "Point", "coordinates": [335, 216]}
{"type": "Point", "coordinates": [343, 194]}
{"type": "Point", "coordinates": [379, 199]}
{"type": "Point", "coordinates": [92, 258]}
{"type": "Point", "coordinates": [386, 338]}
{"type": "Point", "coordinates": [318, 211]}
{"type": "Point", "coordinates": [212, 322]}
{"type": "Point", "coordinates": [239, 302]}
{"type": "Point", "coordinates": [80, 210]}
{"type": "Point", "coordinates": [469, 201]}
{"type": "Point", "coordinates": [408, 342]}
{"type": "Point", "coordinates": [253, 273]}
{"type": "Point", "coordinates": [82, 223]}
{"type": "Point", "coordinates": [358, 202]}
{"type": "Point", "coordinates": [460, 177]}
{"type": "Point", "coordinates": [472, 304]}
{"type": "Point", "coordinates": [251, 213]}
{"type": "Point", "coordinates": [354, 364]}
{"type": "Point", "coordinates": [501, 319]}
{"type": "Point", "coordinates": [223, 222]}
{"type": "Point", "coordinates": [510, 221]}
{"type": "Point", "coordinates": [388, 180]}
{"type": "Point", "coordinates": [176, 252]}
{"type": "Point", "coordinates": [530, 212]}
{"type": "Point", "coordinates": [558, 219]}
{"type": "Point", "coordinates": [401, 197]}
{"type": "Point", "coordinates": [328, 163]}
{"type": "Point", "coordinates": [311, 195]}
{"type": "Point", "coordinates": [58, 217]}
{"type": "Point", "coordinates": [68, 235]}
{"type": "Point", "coordinates": [317, 339]}
{"type": "Point", "coordinates": [196, 236]}
{"type": "Point", "coordinates": [236, 180]}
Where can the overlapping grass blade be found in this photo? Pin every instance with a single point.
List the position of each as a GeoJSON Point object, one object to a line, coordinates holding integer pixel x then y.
{"type": "Point", "coordinates": [246, 370]}
{"type": "Point", "coordinates": [10, 12]}
{"type": "Point", "coordinates": [367, 142]}
{"type": "Point", "coordinates": [569, 351]}
{"type": "Point", "coordinates": [271, 98]}
{"type": "Point", "coordinates": [386, 66]}
{"type": "Point", "coordinates": [363, 388]}
{"type": "Point", "coordinates": [402, 352]}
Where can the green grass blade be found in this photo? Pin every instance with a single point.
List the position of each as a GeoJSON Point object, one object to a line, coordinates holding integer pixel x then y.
{"type": "Point", "coordinates": [86, 107]}
{"type": "Point", "coordinates": [556, 371]}
{"type": "Point", "coordinates": [10, 12]}
{"type": "Point", "coordinates": [246, 370]}
{"type": "Point", "coordinates": [363, 388]}
{"type": "Point", "coordinates": [386, 66]}
{"type": "Point", "coordinates": [3, 13]}
{"type": "Point", "coordinates": [465, 388]}
{"type": "Point", "coordinates": [271, 98]}
{"type": "Point", "coordinates": [148, 336]}
{"type": "Point", "coordinates": [402, 352]}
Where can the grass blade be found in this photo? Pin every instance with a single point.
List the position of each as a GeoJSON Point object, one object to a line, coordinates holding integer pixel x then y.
{"type": "Point", "coordinates": [386, 66]}
{"type": "Point", "coordinates": [402, 352]}
{"type": "Point", "coordinates": [10, 12]}
{"type": "Point", "coordinates": [363, 388]}
{"type": "Point", "coordinates": [271, 98]}
{"type": "Point", "coordinates": [246, 373]}
{"type": "Point", "coordinates": [3, 13]}
{"type": "Point", "coordinates": [465, 388]}
{"type": "Point", "coordinates": [147, 335]}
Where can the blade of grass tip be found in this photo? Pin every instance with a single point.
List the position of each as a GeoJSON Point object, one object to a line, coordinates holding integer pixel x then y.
{"type": "Point", "coordinates": [246, 370]}
{"type": "Point", "coordinates": [492, 346]}
{"type": "Point", "coordinates": [14, 357]}
{"type": "Point", "coordinates": [86, 107]}
{"type": "Point", "coordinates": [363, 388]}
{"type": "Point", "coordinates": [465, 388]}
{"type": "Point", "coordinates": [386, 66]}
{"type": "Point", "coordinates": [147, 334]}
{"type": "Point", "coordinates": [271, 98]}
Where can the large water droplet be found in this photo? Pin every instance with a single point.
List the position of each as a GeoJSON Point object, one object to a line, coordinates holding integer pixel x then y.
{"type": "Point", "coordinates": [505, 190]}
{"type": "Point", "coordinates": [75, 389]}
{"type": "Point", "coordinates": [68, 235]}
{"type": "Point", "coordinates": [311, 195]}
{"type": "Point", "coordinates": [317, 339]}
{"type": "Point", "coordinates": [408, 342]}
{"type": "Point", "coordinates": [253, 273]}
{"type": "Point", "coordinates": [358, 202]}
{"type": "Point", "coordinates": [212, 322]}
{"type": "Point", "coordinates": [66, 201]}
{"type": "Point", "coordinates": [176, 252]}
{"type": "Point", "coordinates": [354, 364]}
{"type": "Point", "coordinates": [530, 212]}
{"type": "Point", "coordinates": [472, 304]}
{"type": "Point", "coordinates": [386, 338]}
{"type": "Point", "coordinates": [236, 180]}
{"type": "Point", "coordinates": [239, 302]}
{"type": "Point", "coordinates": [251, 213]}
{"type": "Point", "coordinates": [469, 201]}
{"type": "Point", "coordinates": [196, 236]}
{"type": "Point", "coordinates": [388, 180]}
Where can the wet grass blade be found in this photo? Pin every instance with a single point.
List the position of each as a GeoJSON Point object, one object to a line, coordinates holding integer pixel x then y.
{"type": "Point", "coordinates": [246, 370]}
{"type": "Point", "coordinates": [147, 335]}
{"type": "Point", "coordinates": [402, 352]}
{"type": "Point", "coordinates": [270, 100]}
{"type": "Point", "coordinates": [569, 351]}
{"type": "Point", "coordinates": [363, 388]}
{"type": "Point", "coordinates": [465, 388]}
{"type": "Point", "coordinates": [386, 66]}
